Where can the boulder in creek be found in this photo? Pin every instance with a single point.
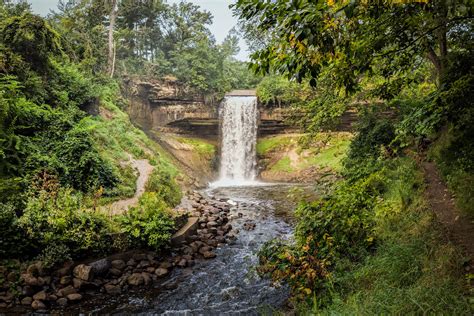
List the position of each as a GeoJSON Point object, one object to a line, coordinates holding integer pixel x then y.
{"type": "Point", "coordinates": [161, 272]}
{"type": "Point", "coordinates": [146, 278]}
{"type": "Point", "coordinates": [38, 305]}
{"type": "Point", "coordinates": [209, 255]}
{"type": "Point", "coordinates": [30, 280]}
{"type": "Point", "coordinates": [166, 265]}
{"type": "Point", "coordinates": [40, 296]}
{"type": "Point", "coordinates": [26, 301]}
{"type": "Point", "coordinates": [66, 291]}
{"type": "Point", "coordinates": [74, 297]}
{"type": "Point", "coordinates": [62, 301]}
{"type": "Point", "coordinates": [35, 269]}
{"type": "Point", "coordinates": [115, 272]}
{"type": "Point", "coordinates": [118, 264]}
{"type": "Point", "coordinates": [65, 280]}
{"type": "Point", "coordinates": [83, 272]}
{"type": "Point", "coordinates": [112, 289]}
{"type": "Point", "coordinates": [135, 279]}
{"type": "Point", "coordinates": [100, 267]}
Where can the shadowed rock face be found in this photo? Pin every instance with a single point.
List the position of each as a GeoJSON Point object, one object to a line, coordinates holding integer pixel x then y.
{"type": "Point", "coordinates": [166, 107]}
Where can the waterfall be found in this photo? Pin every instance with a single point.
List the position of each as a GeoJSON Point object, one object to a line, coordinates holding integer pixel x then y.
{"type": "Point", "coordinates": [238, 116]}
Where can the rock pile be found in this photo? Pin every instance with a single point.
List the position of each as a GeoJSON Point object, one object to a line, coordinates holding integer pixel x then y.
{"type": "Point", "coordinates": [42, 289]}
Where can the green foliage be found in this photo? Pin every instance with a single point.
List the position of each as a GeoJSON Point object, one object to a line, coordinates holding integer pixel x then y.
{"type": "Point", "coordinates": [372, 142]}
{"type": "Point", "coordinates": [59, 219]}
{"type": "Point", "coordinates": [149, 224]}
{"type": "Point", "coordinates": [12, 238]}
{"type": "Point", "coordinates": [163, 185]}
{"type": "Point", "coordinates": [54, 254]}
{"type": "Point", "coordinates": [277, 90]}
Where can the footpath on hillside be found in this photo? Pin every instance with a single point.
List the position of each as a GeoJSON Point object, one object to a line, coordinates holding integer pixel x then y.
{"type": "Point", "coordinates": [459, 227]}
{"type": "Point", "coordinates": [144, 171]}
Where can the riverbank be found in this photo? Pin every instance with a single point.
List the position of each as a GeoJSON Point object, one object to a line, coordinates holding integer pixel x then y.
{"type": "Point", "coordinates": [35, 287]}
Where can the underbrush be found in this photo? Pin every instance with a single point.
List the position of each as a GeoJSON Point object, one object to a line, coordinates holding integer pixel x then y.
{"type": "Point", "coordinates": [371, 245]}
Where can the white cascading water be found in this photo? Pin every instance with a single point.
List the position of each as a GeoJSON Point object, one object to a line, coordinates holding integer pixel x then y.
{"type": "Point", "coordinates": [239, 138]}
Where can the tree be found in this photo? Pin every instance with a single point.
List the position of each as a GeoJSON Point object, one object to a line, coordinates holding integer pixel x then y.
{"type": "Point", "coordinates": [111, 46]}
{"type": "Point", "coordinates": [354, 36]}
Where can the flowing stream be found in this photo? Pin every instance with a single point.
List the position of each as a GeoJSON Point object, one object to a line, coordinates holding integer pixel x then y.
{"type": "Point", "coordinates": [228, 284]}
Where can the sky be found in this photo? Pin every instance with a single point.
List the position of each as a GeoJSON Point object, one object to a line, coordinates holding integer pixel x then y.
{"type": "Point", "coordinates": [223, 20]}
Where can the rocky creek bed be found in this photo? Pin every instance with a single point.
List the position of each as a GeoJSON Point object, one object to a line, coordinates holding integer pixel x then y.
{"type": "Point", "coordinates": [211, 272]}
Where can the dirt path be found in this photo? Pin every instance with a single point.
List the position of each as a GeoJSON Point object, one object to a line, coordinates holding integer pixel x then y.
{"type": "Point", "coordinates": [144, 170]}
{"type": "Point", "coordinates": [460, 229]}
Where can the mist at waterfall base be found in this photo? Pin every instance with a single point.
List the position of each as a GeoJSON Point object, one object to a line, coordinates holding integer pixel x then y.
{"type": "Point", "coordinates": [238, 161]}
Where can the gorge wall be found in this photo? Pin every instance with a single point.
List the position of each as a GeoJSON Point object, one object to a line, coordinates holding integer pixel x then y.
{"type": "Point", "coordinates": [165, 106]}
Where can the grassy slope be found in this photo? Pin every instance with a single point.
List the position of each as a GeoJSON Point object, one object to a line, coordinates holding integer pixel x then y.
{"type": "Point", "coordinates": [117, 140]}
{"type": "Point", "coordinates": [325, 150]}
{"type": "Point", "coordinates": [413, 270]}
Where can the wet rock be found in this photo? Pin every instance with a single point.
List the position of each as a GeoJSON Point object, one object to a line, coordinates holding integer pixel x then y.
{"type": "Point", "coordinates": [209, 255]}
{"type": "Point", "coordinates": [131, 262]}
{"type": "Point", "coordinates": [83, 272]}
{"type": "Point", "coordinates": [227, 228]}
{"type": "Point", "coordinates": [166, 265]}
{"type": "Point", "coordinates": [150, 270]}
{"type": "Point", "coordinates": [62, 301]}
{"type": "Point", "coordinates": [52, 297]}
{"type": "Point", "coordinates": [100, 267]}
{"type": "Point", "coordinates": [249, 226]}
{"type": "Point", "coordinates": [66, 291]}
{"type": "Point", "coordinates": [146, 278]}
{"type": "Point", "coordinates": [112, 289]}
{"type": "Point", "coordinates": [12, 276]}
{"type": "Point", "coordinates": [212, 243]}
{"type": "Point", "coordinates": [161, 272]}
{"type": "Point", "coordinates": [65, 280]}
{"type": "Point", "coordinates": [143, 264]}
{"type": "Point", "coordinates": [211, 224]}
{"type": "Point", "coordinates": [135, 279]}
{"type": "Point", "coordinates": [115, 272]}
{"type": "Point", "coordinates": [77, 283]}
{"type": "Point", "coordinates": [230, 293]}
{"type": "Point", "coordinates": [7, 297]}
{"type": "Point", "coordinates": [74, 297]}
{"type": "Point", "coordinates": [28, 290]}
{"type": "Point", "coordinates": [182, 263]}
{"type": "Point", "coordinates": [204, 249]}
{"type": "Point", "coordinates": [26, 301]}
{"type": "Point", "coordinates": [63, 272]}
{"type": "Point", "coordinates": [118, 264]}
{"type": "Point", "coordinates": [30, 280]}
{"type": "Point", "coordinates": [38, 305]}
{"type": "Point", "coordinates": [40, 296]}
{"type": "Point", "coordinates": [35, 269]}
{"type": "Point", "coordinates": [139, 257]}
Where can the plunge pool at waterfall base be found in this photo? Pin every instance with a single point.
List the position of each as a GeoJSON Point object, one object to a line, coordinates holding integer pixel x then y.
{"type": "Point", "coordinates": [227, 284]}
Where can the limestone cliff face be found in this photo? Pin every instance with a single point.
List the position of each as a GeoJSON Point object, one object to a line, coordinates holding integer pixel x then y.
{"type": "Point", "coordinates": [164, 105]}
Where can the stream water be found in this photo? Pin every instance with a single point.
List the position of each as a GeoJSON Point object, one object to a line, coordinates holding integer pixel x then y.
{"type": "Point", "coordinates": [228, 284]}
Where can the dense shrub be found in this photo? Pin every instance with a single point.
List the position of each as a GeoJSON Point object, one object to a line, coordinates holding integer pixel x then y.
{"type": "Point", "coordinates": [150, 224]}
{"type": "Point", "coordinates": [372, 142]}
{"type": "Point", "coordinates": [13, 241]}
{"type": "Point", "coordinates": [164, 186]}
{"type": "Point", "coordinates": [59, 220]}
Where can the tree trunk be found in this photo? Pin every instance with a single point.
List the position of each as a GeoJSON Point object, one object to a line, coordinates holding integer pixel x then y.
{"type": "Point", "coordinates": [111, 57]}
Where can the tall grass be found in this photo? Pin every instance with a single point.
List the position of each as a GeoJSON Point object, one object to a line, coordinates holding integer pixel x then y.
{"type": "Point", "coordinates": [413, 269]}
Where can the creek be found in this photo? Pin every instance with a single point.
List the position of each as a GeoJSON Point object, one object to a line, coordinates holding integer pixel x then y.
{"type": "Point", "coordinates": [227, 284]}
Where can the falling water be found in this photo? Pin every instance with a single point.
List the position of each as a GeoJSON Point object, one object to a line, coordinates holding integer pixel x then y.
{"type": "Point", "coordinates": [239, 137]}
